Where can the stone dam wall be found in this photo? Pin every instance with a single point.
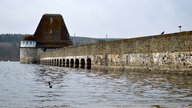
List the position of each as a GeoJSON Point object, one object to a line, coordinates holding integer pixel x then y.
{"type": "Point", "coordinates": [168, 53]}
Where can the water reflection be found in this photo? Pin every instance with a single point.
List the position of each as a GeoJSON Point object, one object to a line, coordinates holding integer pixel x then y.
{"type": "Point", "coordinates": [28, 86]}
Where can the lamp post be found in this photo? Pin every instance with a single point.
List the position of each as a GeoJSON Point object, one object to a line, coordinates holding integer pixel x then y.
{"type": "Point", "coordinates": [180, 28]}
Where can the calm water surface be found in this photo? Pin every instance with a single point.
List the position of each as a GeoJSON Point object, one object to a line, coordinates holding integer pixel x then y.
{"type": "Point", "coordinates": [26, 86]}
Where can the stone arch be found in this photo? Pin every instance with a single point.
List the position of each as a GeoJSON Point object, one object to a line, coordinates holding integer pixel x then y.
{"type": "Point", "coordinates": [88, 63]}
{"type": "Point", "coordinates": [83, 63]}
{"type": "Point", "coordinates": [63, 62]}
{"type": "Point", "coordinates": [54, 62]}
{"type": "Point", "coordinates": [67, 63]}
{"type": "Point", "coordinates": [76, 63]}
{"type": "Point", "coordinates": [57, 62]}
{"type": "Point", "coordinates": [60, 62]}
{"type": "Point", "coordinates": [48, 62]}
{"type": "Point", "coordinates": [51, 62]}
{"type": "Point", "coordinates": [72, 63]}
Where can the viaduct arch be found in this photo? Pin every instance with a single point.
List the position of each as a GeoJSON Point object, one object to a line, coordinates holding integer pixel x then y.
{"type": "Point", "coordinates": [72, 62]}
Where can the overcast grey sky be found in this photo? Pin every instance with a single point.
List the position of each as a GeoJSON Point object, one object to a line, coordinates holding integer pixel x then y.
{"type": "Point", "coordinates": [96, 18]}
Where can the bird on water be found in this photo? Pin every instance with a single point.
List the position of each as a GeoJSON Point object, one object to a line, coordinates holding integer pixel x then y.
{"type": "Point", "coordinates": [50, 86]}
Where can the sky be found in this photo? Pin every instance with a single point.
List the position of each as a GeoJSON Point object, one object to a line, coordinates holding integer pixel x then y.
{"type": "Point", "coordinates": [99, 18]}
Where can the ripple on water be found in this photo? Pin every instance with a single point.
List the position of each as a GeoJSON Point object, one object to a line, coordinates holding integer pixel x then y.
{"type": "Point", "coordinates": [25, 85]}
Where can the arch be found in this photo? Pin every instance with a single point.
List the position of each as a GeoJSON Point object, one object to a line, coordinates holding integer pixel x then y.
{"type": "Point", "coordinates": [63, 62]}
{"type": "Point", "coordinates": [83, 63]}
{"type": "Point", "coordinates": [57, 62]}
{"type": "Point", "coordinates": [76, 63]}
{"type": "Point", "coordinates": [60, 62]}
{"type": "Point", "coordinates": [48, 62]}
{"type": "Point", "coordinates": [88, 63]}
{"type": "Point", "coordinates": [71, 63]}
{"type": "Point", "coordinates": [51, 62]}
{"type": "Point", "coordinates": [67, 63]}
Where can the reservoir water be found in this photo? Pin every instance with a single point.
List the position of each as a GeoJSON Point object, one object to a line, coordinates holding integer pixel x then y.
{"type": "Point", "coordinates": [27, 86]}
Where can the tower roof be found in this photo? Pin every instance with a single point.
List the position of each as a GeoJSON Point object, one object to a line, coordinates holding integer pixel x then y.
{"type": "Point", "coordinates": [51, 32]}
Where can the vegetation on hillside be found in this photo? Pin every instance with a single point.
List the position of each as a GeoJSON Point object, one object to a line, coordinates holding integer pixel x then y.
{"type": "Point", "coordinates": [9, 46]}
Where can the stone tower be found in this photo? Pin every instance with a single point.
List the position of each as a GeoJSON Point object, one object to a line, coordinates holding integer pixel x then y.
{"type": "Point", "coordinates": [51, 33]}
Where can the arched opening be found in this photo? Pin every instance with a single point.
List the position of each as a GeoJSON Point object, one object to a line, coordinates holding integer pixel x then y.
{"type": "Point", "coordinates": [60, 62]}
{"type": "Point", "coordinates": [57, 64]}
{"type": "Point", "coordinates": [72, 63]}
{"type": "Point", "coordinates": [76, 63]}
{"type": "Point", "coordinates": [51, 62]}
{"type": "Point", "coordinates": [67, 63]}
{"type": "Point", "coordinates": [83, 63]}
{"type": "Point", "coordinates": [88, 63]}
{"type": "Point", "coordinates": [63, 62]}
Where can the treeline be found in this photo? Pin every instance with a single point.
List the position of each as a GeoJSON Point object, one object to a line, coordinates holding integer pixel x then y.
{"type": "Point", "coordinates": [9, 46]}
{"type": "Point", "coordinates": [10, 37]}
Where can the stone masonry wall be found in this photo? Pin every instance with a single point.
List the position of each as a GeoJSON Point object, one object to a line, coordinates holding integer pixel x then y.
{"type": "Point", "coordinates": [30, 55]}
{"type": "Point", "coordinates": [168, 53]}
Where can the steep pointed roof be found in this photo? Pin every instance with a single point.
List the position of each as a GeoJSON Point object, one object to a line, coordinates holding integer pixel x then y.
{"type": "Point", "coordinates": [52, 32]}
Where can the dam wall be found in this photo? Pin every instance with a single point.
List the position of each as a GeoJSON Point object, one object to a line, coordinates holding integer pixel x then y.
{"type": "Point", "coordinates": [167, 53]}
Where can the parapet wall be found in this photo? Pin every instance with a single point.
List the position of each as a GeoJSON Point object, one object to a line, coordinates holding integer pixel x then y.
{"type": "Point", "coordinates": [168, 53]}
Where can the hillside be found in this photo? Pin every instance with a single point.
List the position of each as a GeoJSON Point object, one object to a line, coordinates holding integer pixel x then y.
{"type": "Point", "coordinates": [9, 45]}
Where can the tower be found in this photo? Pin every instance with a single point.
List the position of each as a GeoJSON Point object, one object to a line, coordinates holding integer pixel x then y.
{"type": "Point", "coordinates": [51, 33]}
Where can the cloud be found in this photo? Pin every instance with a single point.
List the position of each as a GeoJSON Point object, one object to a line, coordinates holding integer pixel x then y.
{"type": "Point", "coordinates": [96, 18]}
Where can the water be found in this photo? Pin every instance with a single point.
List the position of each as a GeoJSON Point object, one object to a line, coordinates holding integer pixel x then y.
{"type": "Point", "coordinates": [26, 86]}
